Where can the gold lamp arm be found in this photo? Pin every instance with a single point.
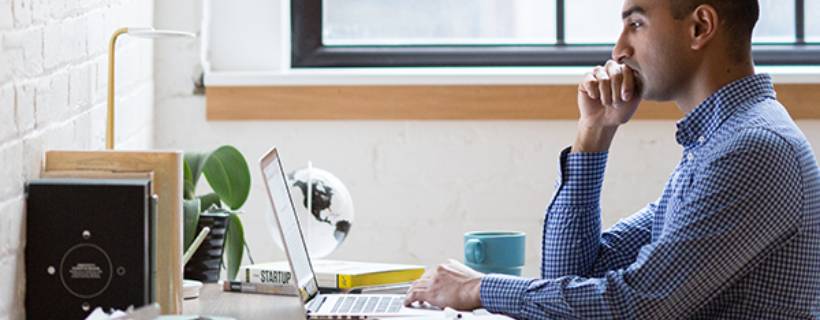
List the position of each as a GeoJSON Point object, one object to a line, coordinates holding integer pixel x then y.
{"type": "Point", "coordinates": [112, 45]}
{"type": "Point", "coordinates": [109, 129]}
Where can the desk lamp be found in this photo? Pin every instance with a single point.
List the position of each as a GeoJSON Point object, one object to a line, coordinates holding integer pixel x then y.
{"type": "Point", "coordinates": [136, 32]}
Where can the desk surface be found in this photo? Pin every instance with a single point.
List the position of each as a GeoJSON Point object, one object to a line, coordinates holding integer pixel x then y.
{"type": "Point", "coordinates": [213, 301]}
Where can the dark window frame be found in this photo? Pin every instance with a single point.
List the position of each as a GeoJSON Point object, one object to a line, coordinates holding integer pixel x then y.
{"type": "Point", "coordinates": [308, 51]}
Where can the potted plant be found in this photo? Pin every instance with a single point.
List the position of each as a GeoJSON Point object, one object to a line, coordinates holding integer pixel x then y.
{"type": "Point", "coordinates": [226, 171]}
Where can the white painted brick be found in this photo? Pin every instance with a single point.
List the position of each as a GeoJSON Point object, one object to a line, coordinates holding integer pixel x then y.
{"type": "Point", "coordinates": [6, 15]}
{"type": "Point", "coordinates": [12, 233]}
{"type": "Point", "coordinates": [22, 13]}
{"type": "Point", "coordinates": [5, 68]}
{"type": "Point", "coordinates": [46, 11]}
{"type": "Point", "coordinates": [141, 140]}
{"type": "Point", "coordinates": [33, 147]}
{"type": "Point", "coordinates": [97, 117]}
{"type": "Point", "coordinates": [76, 46]}
{"type": "Point", "coordinates": [11, 294]}
{"type": "Point", "coordinates": [8, 125]}
{"type": "Point", "coordinates": [60, 137]}
{"type": "Point", "coordinates": [79, 87]}
{"type": "Point", "coordinates": [82, 131]}
{"type": "Point", "coordinates": [7, 292]}
{"type": "Point", "coordinates": [65, 42]}
{"type": "Point", "coordinates": [53, 45]}
{"type": "Point", "coordinates": [11, 156]}
{"type": "Point", "coordinates": [99, 89]}
{"type": "Point", "coordinates": [55, 138]}
{"type": "Point", "coordinates": [54, 51]}
{"type": "Point", "coordinates": [25, 51]}
{"type": "Point", "coordinates": [25, 97]}
{"type": "Point", "coordinates": [98, 32]}
{"type": "Point", "coordinates": [52, 99]}
{"type": "Point", "coordinates": [42, 10]}
{"type": "Point", "coordinates": [134, 111]}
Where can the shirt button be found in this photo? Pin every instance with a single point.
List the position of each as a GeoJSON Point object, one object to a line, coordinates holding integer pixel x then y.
{"type": "Point", "coordinates": [701, 139]}
{"type": "Point", "coordinates": [690, 156]}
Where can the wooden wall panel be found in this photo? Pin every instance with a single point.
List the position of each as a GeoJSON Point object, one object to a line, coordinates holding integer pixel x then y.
{"type": "Point", "coordinates": [451, 102]}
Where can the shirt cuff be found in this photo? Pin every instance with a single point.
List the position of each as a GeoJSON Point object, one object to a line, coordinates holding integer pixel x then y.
{"type": "Point", "coordinates": [503, 294]}
{"type": "Point", "coordinates": [581, 176]}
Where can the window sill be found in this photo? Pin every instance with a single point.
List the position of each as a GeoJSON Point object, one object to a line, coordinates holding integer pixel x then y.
{"type": "Point", "coordinates": [442, 94]}
{"type": "Point", "coordinates": [449, 76]}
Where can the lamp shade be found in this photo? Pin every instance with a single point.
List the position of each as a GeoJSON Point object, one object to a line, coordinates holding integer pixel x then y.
{"type": "Point", "coordinates": [153, 33]}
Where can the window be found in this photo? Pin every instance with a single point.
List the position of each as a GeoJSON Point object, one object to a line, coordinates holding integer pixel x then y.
{"type": "Point", "coordinates": [437, 22]}
{"type": "Point", "coordinates": [813, 24]}
{"type": "Point", "coordinates": [408, 33]}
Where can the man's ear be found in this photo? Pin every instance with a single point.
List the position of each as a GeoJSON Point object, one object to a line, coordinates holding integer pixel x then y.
{"type": "Point", "coordinates": [705, 23]}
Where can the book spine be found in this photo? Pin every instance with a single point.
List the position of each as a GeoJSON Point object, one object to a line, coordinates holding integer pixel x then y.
{"type": "Point", "coordinates": [263, 276]}
{"type": "Point", "coordinates": [152, 255]}
{"type": "Point", "coordinates": [332, 280]}
{"type": "Point", "coordinates": [279, 277]}
{"type": "Point", "coordinates": [244, 287]}
{"type": "Point", "coordinates": [346, 281]}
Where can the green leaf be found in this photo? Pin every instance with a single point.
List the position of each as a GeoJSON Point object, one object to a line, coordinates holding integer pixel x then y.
{"type": "Point", "coordinates": [209, 201]}
{"type": "Point", "coordinates": [191, 210]}
{"type": "Point", "coordinates": [188, 185]}
{"type": "Point", "coordinates": [193, 164]}
{"type": "Point", "coordinates": [227, 172]}
{"type": "Point", "coordinates": [234, 243]}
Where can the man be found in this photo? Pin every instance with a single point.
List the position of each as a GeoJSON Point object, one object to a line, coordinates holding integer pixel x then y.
{"type": "Point", "coordinates": [735, 233]}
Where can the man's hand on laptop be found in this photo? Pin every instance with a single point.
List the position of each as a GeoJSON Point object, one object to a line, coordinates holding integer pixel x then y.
{"type": "Point", "coordinates": [447, 286]}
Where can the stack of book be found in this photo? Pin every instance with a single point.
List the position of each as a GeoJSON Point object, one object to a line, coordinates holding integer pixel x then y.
{"type": "Point", "coordinates": [331, 275]}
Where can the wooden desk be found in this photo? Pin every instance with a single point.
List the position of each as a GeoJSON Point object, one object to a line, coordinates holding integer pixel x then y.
{"type": "Point", "coordinates": [213, 301]}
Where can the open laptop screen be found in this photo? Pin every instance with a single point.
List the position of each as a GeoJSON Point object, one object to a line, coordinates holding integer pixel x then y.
{"type": "Point", "coordinates": [292, 237]}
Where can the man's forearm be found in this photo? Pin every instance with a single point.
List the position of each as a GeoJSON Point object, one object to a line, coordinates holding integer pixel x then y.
{"type": "Point", "coordinates": [572, 222]}
{"type": "Point", "coordinates": [593, 139]}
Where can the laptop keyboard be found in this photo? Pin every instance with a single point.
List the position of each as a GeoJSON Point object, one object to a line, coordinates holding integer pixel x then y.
{"type": "Point", "coordinates": [368, 304]}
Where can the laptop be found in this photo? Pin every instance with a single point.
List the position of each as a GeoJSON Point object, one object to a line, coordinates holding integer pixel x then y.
{"type": "Point", "coordinates": [316, 304]}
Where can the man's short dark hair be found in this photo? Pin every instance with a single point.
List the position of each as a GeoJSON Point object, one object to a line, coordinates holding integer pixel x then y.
{"type": "Point", "coordinates": [739, 17]}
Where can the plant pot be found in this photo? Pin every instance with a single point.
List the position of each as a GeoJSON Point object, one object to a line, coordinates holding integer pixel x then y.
{"type": "Point", "coordinates": [206, 263]}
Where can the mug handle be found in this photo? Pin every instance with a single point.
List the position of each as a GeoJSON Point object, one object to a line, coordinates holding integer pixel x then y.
{"type": "Point", "coordinates": [474, 251]}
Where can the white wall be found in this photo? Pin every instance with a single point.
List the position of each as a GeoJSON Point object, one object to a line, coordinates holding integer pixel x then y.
{"type": "Point", "coordinates": [417, 186]}
{"type": "Point", "coordinates": [53, 64]}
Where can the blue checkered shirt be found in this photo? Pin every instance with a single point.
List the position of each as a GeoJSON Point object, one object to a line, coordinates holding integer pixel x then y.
{"type": "Point", "coordinates": [734, 235]}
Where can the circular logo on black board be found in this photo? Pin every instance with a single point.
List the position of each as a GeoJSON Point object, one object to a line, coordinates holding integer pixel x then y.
{"type": "Point", "coordinates": [85, 270]}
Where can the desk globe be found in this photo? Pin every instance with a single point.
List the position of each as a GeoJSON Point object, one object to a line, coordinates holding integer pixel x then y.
{"type": "Point", "coordinates": [327, 216]}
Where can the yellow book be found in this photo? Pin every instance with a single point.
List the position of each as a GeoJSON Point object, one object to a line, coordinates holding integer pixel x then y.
{"type": "Point", "coordinates": [335, 274]}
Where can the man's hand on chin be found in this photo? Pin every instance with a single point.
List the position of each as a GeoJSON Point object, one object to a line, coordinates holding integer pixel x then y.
{"type": "Point", "coordinates": [607, 98]}
{"type": "Point", "coordinates": [447, 286]}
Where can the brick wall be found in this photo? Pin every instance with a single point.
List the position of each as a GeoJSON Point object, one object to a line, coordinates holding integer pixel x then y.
{"type": "Point", "coordinates": [53, 77]}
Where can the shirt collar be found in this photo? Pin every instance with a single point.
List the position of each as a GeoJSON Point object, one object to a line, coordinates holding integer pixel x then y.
{"type": "Point", "coordinates": [707, 117]}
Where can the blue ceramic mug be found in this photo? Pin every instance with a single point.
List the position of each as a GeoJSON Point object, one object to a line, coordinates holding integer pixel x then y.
{"type": "Point", "coordinates": [495, 251]}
